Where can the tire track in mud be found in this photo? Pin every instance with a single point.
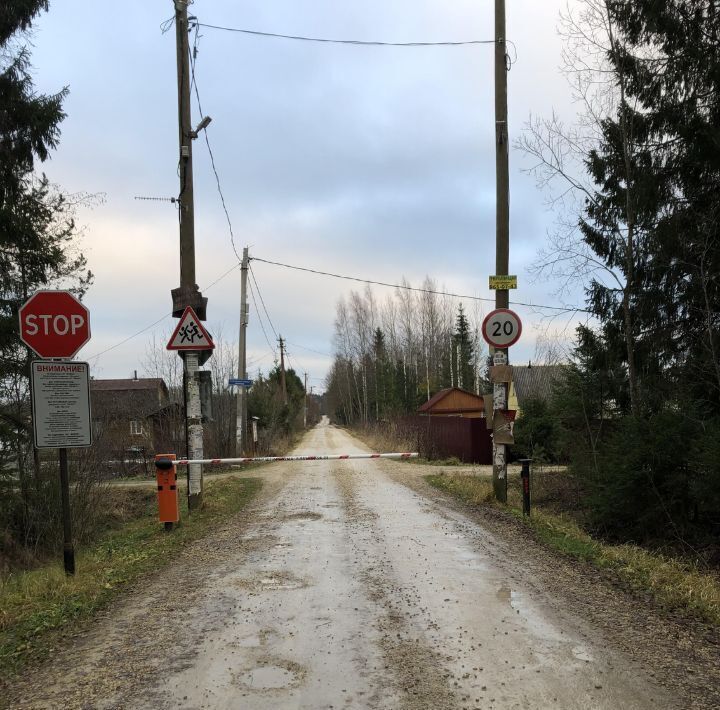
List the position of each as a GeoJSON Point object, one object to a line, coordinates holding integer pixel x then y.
{"type": "Point", "coordinates": [677, 653]}
{"type": "Point", "coordinates": [418, 671]}
{"type": "Point", "coordinates": [108, 661]}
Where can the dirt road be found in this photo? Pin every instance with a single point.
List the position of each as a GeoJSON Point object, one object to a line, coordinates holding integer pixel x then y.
{"type": "Point", "coordinates": [344, 588]}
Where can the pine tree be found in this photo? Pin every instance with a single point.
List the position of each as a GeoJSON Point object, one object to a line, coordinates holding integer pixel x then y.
{"type": "Point", "coordinates": [36, 225]}
{"type": "Point", "coordinates": [465, 351]}
{"type": "Point", "coordinates": [672, 59]}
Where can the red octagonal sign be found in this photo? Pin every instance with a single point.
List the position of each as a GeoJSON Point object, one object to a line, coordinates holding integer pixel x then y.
{"type": "Point", "coordinates": [54, 324]}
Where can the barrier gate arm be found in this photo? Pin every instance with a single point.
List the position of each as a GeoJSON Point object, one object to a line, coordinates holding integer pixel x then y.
{"type": "Point", "coordinates": [318, 457]}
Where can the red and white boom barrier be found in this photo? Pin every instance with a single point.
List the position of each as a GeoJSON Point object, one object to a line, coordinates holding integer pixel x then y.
{"type": "Point", "coordinates": [317, 457]}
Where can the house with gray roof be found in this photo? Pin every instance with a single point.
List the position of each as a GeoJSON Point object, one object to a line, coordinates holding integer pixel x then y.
{"type": "Point", "coordinates": [533, 382]}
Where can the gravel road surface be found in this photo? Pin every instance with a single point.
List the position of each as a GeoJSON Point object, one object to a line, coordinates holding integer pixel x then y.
{"type": "Point", "coordinates": [350, 584]}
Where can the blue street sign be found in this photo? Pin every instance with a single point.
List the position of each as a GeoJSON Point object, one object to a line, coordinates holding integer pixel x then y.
{"type": "Point", "coordinates": [233, 381]}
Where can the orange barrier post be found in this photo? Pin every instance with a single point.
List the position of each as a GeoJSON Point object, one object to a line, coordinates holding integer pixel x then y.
{"type": "Point", "coordinates": [167, 493]}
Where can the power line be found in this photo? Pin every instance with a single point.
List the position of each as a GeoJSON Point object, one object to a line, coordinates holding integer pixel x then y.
{"type": "Point", "coordinates": [220, 278]}
{"type": "Point", "coordinates": [256, 360]}
{"type": "Point", "coordinates": [303, 347]}
{"type": "Point", "coordinates": [130, 337]}
{"type": "Point", "coordinates": [357, 42]}
{"type": "Point", "coordinates": [193, 80]}
{"type": "Point", "coordinates": [159, 320]}
{"type": "Point", "coordinates": [252, 274]}
{"type": "Point", "coordinates": [262, 327]}
{"type": "Point", "coordinates": [414, 288]}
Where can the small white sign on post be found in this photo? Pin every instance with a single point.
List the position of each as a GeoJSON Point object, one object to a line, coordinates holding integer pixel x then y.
{"type": "Point", "coordinates": [61, 404]}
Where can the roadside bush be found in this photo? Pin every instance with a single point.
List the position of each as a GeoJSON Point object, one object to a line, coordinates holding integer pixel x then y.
{"type": "Point", "coordinates": [30, 508]}
{"type": "Point", "coordinates": [536, 433]}
{"type": "Point", "coordinates": [705, 483]}
{"type": "Point", "coordinates": [645, 481]}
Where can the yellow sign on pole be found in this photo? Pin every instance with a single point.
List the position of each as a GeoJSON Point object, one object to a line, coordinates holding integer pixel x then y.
{"type": "Point", "coordinates": [501, 283]}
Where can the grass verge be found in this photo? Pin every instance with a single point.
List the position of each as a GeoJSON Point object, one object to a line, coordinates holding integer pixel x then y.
{"type": "Point", "coordinates": [675, 584]}
{"type": "Point", "coordinates": [38, 606]}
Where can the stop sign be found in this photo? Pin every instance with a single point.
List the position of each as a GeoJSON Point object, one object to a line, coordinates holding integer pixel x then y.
{"type": "Point", "coordinates": [54, 324]}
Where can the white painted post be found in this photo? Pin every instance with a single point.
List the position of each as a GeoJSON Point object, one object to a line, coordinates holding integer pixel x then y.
{"type": "Point", "coordinates": [194, 430]}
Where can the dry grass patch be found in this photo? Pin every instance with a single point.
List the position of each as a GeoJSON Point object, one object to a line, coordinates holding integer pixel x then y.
{"type": "Point", "coordinates": [37, 606]}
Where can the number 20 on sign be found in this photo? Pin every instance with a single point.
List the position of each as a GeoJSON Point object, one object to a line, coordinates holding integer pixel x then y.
{"type": "Point", "coordinates": [502, 328]}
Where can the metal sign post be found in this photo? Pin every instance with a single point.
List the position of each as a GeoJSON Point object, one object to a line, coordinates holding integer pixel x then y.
{"type": "Point", "coordinates": [55, 324]}
{"type": "Point", "coordinates": [525, 478]}
{"type": "Point", "coordinates": [60, 397]}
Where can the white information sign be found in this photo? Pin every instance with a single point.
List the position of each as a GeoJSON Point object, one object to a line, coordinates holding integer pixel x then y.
{"type": "Point", "coordinates": [61, 404]}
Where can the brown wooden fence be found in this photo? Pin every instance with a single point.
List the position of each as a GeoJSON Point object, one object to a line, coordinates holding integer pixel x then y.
{"type": "Point", "coordinates": [443, 437]}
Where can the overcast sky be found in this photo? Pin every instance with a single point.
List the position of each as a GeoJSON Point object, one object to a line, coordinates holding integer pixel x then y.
{"type": "Point", "coordinates": [375, 162]}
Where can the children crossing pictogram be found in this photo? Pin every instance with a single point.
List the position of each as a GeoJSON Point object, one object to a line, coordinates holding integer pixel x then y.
{"type": "Point", "coordinates": [190, 334]}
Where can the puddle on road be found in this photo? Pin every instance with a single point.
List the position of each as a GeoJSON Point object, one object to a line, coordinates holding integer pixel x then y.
{"type": "Point", "coordinates": [470, 560]}
{"type": "Point", "coordinates": [267, 678]}
{"type": "Point", "coordinates": [304, 515]}
{"type": "Point", "coordinates": [271, 581]}
{"type": "Point", "coordinates": [255, 640]}
{"type": "Point", "coordinates": [280, 583]}
{"type": "Point", "coordinates": [538, 626]}
{"type": "Point", "coordinates": [271, 676]}
{"type": "Point", "coordinates": [248, 642]}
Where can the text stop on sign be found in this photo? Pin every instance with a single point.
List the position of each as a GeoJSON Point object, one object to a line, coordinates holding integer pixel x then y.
{"type": "Point", "coordinates": [54, 324]}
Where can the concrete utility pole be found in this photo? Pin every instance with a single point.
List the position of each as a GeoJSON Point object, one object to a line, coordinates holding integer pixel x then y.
{"type": "Point", "coordinates": [241, 416]}
{"type": "Point", "coordinates": [188, 293]}
{"type": "Point", "coordinates": [282, 370]}
{"type": "Point", "coordinates": [502, 231]}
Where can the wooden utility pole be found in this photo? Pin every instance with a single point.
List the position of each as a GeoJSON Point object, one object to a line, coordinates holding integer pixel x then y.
{"type": "Point", "coordinates": [188, 293]}
{"type": "Point", "coordinates": [283, 386]}
{"type": "Point", "coordinates": [502, 231]}
{"type": "Point", "coordinates": [306, 403]}
{"type": "Point", "coordinates": [241, 415]}
{"type": "Point", "coordinates": [185, 199]}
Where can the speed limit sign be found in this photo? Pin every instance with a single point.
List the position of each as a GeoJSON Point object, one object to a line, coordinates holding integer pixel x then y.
{"type": "Point", "coordinates": [502, 328]}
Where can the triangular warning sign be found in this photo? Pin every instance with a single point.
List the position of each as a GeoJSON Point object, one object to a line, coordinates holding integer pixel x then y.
{"type": "Point", "coordinates": [190, 334]}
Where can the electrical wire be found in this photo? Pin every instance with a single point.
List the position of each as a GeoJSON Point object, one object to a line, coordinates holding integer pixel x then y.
{"type": "Point", "coordinates": [367, 43]}
{"type": "Point", "coordinates": [252, 274]}
{"type": "Point", "coordinates": [262, 327]}
{"type": "Point", "coordinates": [257, 360]}
{"type": "Point", "coordinates": [229, 271]}
{"type": "Point", "coordinates": [357, 42]}
{"type": "Point", "coordinates": [303, 347]}
{"type": "Point", "coordinates": [129, 338]}
{"type": "Point", "coordinates": [193, 81]}
{"type": "Point", "coordinates": [414, 288]}
{"type": "Point", "coordinates": [167, 24]}
{"type": "Point", "coordinates": [159, 320]}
